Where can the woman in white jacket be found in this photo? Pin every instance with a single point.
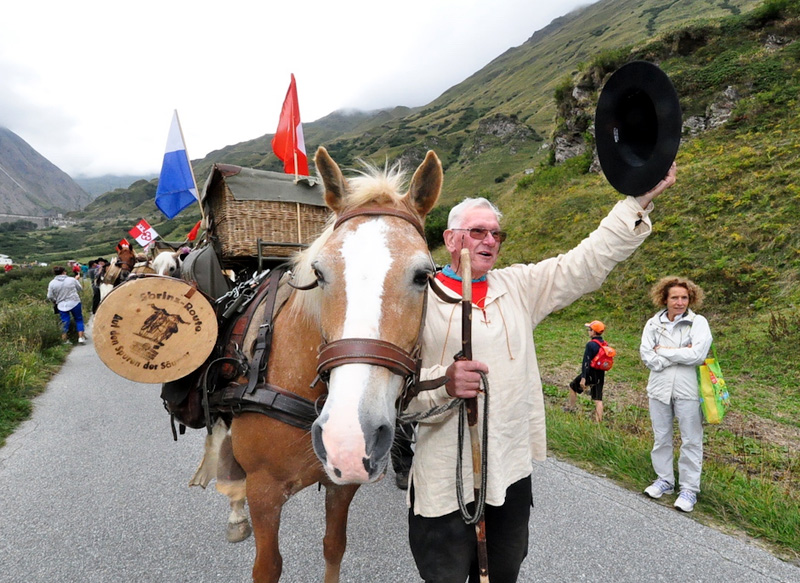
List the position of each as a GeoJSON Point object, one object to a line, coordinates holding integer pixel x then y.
{"type": "Point", "coordinates": [674, 342]}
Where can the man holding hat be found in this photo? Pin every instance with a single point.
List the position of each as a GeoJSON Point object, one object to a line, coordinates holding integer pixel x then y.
{"type": "Point", "coordinates": [507, 305]}
{"type": "Point", "coordinates": [590, 377]}
{"type": "Point", "coordinates": [638, 131]}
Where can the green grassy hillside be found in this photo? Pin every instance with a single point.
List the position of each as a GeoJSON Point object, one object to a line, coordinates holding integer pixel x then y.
{"type": "Point", "coordinates": [730, 223]}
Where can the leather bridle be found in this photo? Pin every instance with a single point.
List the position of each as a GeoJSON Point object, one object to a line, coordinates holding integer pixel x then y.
{"type": "Point", "coordinates": [369, 350]}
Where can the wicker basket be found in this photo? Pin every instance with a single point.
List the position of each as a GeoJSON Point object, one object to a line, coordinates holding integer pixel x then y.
{"type": "Point", "coordinates": [237, 200]}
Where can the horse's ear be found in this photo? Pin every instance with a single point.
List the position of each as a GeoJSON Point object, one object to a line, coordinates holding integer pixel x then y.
{"type": "Point", "coordinates": [426, 185]}
{"type": "Point", "coordinates": [335, 185]}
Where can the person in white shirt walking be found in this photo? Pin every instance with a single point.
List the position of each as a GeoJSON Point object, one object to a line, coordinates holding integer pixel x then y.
{"type": "Point", "coordinates": [65, 293]}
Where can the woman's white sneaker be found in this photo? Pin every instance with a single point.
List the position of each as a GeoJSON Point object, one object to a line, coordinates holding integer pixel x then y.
{"type": "Point", "coordinates": [658, 488]}
{"type": "Point", "coordinates": [686, 501]}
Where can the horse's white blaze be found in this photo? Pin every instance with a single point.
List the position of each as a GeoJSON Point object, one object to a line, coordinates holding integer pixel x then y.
{"type": "Point", "coordinates": [367, 261]}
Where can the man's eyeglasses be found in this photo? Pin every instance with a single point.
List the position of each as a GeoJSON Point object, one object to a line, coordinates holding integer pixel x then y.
{"type": "Point", "coordinates": [480, 234]}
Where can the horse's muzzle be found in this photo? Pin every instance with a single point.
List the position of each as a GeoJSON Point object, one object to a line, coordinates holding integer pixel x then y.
{"type": "Point", "coordinates": [352, 457]}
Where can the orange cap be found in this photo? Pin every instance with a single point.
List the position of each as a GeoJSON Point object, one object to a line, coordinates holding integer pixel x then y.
{"type": "Point", "coordinates": [597, 326]}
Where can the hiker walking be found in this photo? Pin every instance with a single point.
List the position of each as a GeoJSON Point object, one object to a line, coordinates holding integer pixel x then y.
{"type": "Point", "coordinates": [593, 372]}
{"type": "Point", "coordinates": [65, 293]}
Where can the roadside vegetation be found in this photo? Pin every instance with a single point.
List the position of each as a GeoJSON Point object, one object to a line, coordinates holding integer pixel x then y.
{"type": "Point", "coordinates": [30, 342]}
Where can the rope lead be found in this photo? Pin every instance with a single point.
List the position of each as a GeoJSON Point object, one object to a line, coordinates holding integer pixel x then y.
{"type": "Point", "coordinates": [480, 502]}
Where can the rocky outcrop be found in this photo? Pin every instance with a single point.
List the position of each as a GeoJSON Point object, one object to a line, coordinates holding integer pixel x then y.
{"type": "Point", "coordinates": [576, 120]}
{"type": "Point", "coordinates": [577, 111]}
{"type": "Point", "coordinates": [717, 113]}
{"type": "Point", "coordinates": [499, 130]}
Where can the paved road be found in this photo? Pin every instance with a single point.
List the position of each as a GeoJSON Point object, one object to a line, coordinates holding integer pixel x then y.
{"type": "Point", "coordinates": [93, 489]}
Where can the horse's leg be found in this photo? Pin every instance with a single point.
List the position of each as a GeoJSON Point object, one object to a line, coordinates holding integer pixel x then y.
{"type": "Point", "coordinates": [238, 528]}
{"type": "Point", "coordinates": [266, 498]}
{"type": "Point", "coordinates": [337, 505]}
{"type": "Point", "coordinates": [207, 470]}
{"type": "Point", "coordinates": [231, 482]}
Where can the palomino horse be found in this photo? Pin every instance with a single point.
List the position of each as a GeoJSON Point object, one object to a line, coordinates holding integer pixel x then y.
{"type": "Point", "coordinates": [359, 326]}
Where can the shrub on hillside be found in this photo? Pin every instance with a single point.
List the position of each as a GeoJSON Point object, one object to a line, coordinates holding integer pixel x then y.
{"type": "Point", "coordinates": [30, 326]}
{"type": "Point", "coordinates": [436, 224]}
{"type": "Point", "coordinates": [24, 281]}
{"type": "Point", "coordinates": [769, 11]}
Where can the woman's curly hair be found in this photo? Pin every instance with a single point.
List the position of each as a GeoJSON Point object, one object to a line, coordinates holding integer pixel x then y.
{"type": "Point", "coordinates": [660, 291]}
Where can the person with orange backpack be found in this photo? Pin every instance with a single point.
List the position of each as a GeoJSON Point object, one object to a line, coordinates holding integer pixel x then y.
{"type": "Point", "coordinates": [598, 357]}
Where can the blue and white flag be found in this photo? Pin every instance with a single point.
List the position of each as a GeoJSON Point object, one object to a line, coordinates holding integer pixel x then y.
{"type": "Point", "coordinates": [176, 185]}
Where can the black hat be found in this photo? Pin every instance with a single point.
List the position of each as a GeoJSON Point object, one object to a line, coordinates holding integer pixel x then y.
{"type": "Point", "coordinates": [637, 127]}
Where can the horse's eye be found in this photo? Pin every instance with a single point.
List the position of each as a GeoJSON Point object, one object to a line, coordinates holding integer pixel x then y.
{"type": "Point", "coordinates": [318, 274]}
{"type": "Point", "coordinates": [421, 277]}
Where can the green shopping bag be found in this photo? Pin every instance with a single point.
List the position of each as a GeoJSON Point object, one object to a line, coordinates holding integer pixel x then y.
{"type": "Point", "coordinates": [714, 398]}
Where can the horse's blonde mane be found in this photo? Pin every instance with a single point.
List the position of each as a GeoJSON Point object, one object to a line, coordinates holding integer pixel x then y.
{"type": "Point", "coordinates": [372, 185]}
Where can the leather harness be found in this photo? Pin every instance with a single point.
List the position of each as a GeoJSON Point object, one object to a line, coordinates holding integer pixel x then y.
{"type": "Point", "coordinates": [259, 396]}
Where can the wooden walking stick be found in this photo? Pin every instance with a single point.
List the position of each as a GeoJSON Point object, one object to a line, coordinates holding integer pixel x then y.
{"type": "Point", "coordinates": [472, 413]}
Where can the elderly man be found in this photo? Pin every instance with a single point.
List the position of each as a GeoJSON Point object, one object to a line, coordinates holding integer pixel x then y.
{"type": "Point", "coordinates": [507, 305]}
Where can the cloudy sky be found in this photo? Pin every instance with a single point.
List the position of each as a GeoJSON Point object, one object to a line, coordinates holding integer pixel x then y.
{"type": "Point", "coordinates": [92, 84]}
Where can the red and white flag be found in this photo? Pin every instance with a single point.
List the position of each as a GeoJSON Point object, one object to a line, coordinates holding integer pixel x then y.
{"type": "Point", "coordinates": [288, 143]}
{"type": "Point", "coordinates": [143, 233]}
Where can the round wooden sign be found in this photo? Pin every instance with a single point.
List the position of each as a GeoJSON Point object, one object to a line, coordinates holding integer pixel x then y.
{"type": "Point", "coordinates": [154, 329]}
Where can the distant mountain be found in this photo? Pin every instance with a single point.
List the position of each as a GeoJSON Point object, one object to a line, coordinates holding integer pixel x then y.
{"type": "Point", "coordinates": [97, 185]}
{"type": "Point", "coordinates": [32, 185]}
{"type": "Point", "coordinates": [257, 153]}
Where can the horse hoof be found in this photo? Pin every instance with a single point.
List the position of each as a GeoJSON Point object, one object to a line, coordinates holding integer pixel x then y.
{"type": "Point", "coordinates": [238, 531]}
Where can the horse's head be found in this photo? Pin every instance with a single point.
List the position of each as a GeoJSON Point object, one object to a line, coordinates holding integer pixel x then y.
{"type": "Point", "coordinates": [169, 263]}
{"type": "Point", "coordinates": [126, 259]}
{"type": "Point", "coordinates": [372, 269]}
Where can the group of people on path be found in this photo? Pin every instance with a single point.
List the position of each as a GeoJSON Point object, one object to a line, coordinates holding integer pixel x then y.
{"type": "Point", "coordinates": [507, 306]}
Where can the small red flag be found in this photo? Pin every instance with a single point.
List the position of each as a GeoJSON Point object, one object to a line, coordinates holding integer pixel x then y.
{"type": "Point", "coordinates": [193, 233]}
{"type": "Point", "coordinates": [123, 244]}
{"type": "Point", "coordinates": [288, 143]}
